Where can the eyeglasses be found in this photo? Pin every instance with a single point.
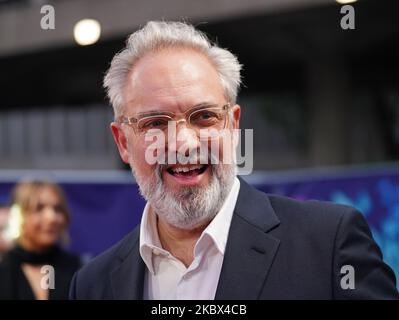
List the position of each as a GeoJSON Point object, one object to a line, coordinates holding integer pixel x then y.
{"type": "Point", "coordinates": [210, 117]}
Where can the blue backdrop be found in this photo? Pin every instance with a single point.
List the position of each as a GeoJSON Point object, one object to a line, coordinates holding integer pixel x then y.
{"type": "Point", "coordinates": [103, 212]}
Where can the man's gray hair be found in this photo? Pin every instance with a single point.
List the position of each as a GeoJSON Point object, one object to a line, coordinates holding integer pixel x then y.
{"type": "Point", "coordinates": [156, 35]}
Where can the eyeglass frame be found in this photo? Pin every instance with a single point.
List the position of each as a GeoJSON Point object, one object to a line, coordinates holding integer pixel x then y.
{"type": "Point", "coordinates": [183, 116]}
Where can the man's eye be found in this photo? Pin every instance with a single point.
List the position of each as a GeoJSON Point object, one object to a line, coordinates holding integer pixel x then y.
{"type": "Point", "coordinates": [154, 124]}
{"type": "Point", "coordinates": [207, 115]}
{"type": "Point", "coordinates": [205, 118]}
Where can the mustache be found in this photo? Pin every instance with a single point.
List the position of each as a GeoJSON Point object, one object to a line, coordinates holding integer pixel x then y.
{"type": "Point", "coordinates": [193, 158]}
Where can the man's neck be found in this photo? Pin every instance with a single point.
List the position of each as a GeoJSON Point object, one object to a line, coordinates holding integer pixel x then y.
{"type": "Point", "coordinates": [179, 242]}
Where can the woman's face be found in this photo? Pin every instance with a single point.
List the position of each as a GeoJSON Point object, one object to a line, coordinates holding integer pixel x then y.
{"type": "Point", "coordinates": [45, 221]}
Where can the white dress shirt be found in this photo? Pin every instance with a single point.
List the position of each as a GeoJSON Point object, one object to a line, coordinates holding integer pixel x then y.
{"type": "Point", "coordinates": [167, 277]}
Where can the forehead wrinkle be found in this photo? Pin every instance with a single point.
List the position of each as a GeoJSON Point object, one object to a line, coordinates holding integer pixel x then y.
{"type": "Point", "coordinates": [170, 95]}
{"type": "Point", "coordinates": [170, 81]}
{"type": "Point", "coordinates": [163, 98]}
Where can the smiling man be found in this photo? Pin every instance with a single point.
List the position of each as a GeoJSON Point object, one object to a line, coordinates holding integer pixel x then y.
{"type": "Point", "coordinates": [204, 233]}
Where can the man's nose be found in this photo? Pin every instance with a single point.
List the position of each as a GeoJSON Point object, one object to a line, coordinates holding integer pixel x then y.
{"type": "Point", "coordinates": [186, 138]}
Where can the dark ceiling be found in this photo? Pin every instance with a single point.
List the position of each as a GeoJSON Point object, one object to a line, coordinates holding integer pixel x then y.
{"type": "Point", "coordinates": [273, 48]}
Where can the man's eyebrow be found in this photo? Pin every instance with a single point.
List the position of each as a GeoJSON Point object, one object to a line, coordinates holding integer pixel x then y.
{"type": "Point", "coordinates": [152, 112]}
{"type": "Point", "coordinates": [159, 111]}
{"type": "Point", "coordinates": [203, 104]}
{"type": "Point", "coordinates": [206, 103]}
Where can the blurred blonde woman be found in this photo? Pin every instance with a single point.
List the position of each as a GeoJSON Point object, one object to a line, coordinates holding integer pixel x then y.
{"type": "Point", "coordinates": [42, 214]}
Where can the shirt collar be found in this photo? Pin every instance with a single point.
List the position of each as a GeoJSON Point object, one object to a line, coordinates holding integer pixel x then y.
{"type": "Point", "coordinates": [149, 239]}
{"type": "Point", "coordinates": [217, 230]}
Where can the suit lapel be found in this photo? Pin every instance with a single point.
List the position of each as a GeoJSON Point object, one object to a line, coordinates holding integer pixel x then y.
{"type": "Point", "coordinates": [250, 250]}
{"type": "Point", "coordinates": [127, 279]}
{"type": "Point", "coordinates": [249, 254]}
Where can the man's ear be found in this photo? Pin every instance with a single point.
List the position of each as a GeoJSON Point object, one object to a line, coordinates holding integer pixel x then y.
{"type": "Point", "coordinates": [121, 141]}
{"type": "Point", "coordinates": [236, 110]}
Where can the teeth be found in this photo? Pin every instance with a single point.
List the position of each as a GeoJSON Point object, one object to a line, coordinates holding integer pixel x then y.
{"type": "Point", "coordinates": [186, 169]}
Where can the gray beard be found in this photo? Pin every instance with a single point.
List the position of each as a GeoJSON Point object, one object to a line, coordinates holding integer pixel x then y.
{"type": "Point", "coordinates": [190, 207]}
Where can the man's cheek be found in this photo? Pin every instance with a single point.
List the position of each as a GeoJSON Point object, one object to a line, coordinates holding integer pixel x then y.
{"type": "Point", "coordinates": [222, 151]}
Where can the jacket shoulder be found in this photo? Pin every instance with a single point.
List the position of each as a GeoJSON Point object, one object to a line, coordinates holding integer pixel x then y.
{"type": "Point", "coordinates": [322, 212]}
{"type": "Point", "coordinates": [320, 221]}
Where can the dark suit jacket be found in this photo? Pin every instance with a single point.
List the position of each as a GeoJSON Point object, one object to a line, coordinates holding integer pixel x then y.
{"type": "Point", "coordinates": [278, 248]}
